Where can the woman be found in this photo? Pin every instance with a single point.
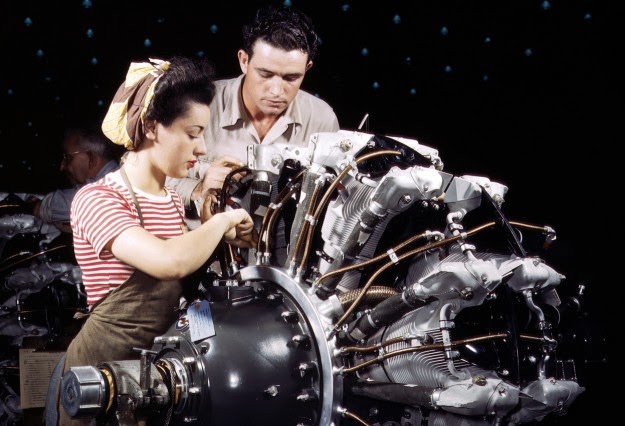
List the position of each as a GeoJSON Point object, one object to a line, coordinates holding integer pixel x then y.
{"type": "Point", "coordinates": [129, 232]}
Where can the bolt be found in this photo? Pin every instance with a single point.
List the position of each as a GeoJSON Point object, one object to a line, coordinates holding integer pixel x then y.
{"type": "Point", "coordinates": [466, 293]}
{"type": "Point", "coordinates": [345, 145]}
{"type": "Point", "coordinates": [479, 380]}
{"type": "Point", "coordinates": [271, 391]}
{"type": "Point", "coordinates": [289, 316]}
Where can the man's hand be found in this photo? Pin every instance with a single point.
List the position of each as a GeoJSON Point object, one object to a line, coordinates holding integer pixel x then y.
{"type": "Point", "coordinates": [215, 174]}
{"type": "Point", "coordinates": [206, 211]}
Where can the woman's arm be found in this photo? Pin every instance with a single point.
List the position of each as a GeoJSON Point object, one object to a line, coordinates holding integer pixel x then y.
{"type": "Point", "coordinates": [177, 257]}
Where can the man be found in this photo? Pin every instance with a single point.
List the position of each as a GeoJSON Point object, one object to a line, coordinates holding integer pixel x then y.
{"type": "Point", "coordinates": [87, 156]}
{"type": "Point", "coordinates": [264, 104]}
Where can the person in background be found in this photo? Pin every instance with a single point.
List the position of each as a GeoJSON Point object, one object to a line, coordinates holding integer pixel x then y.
{"type": "Point", "coordinates": [130, 237]}
{"type": "Point", "coordinates": [87, 156]}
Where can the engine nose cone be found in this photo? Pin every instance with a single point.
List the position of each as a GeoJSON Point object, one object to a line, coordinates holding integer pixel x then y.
{"type": "Point", "coordinates": [83, 391]}
{"type": "Point", "coordinates": [255, 357]}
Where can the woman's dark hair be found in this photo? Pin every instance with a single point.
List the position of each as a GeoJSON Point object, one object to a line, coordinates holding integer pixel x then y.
{"type": "Point", "coordinates": [282, 27]}
{"type": "Point", "coordinates": [187, 80]}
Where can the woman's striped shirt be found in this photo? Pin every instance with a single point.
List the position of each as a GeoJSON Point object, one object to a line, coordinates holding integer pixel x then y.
{"type": "Point", "coordinates": [103, 210]}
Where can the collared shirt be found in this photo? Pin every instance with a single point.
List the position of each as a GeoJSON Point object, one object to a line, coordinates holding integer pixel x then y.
{"type": "Point", "coordinates": [55, 206]}
{"type": "Point", "coordinates": [230, 130]}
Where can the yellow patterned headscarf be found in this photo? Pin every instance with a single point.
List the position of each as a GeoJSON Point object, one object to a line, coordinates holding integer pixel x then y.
{"type": "Point", "coordinates": [123, 123]}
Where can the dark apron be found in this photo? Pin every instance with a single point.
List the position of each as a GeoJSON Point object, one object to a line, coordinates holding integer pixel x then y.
{"type": "Point", "coordinates": [130, 316]}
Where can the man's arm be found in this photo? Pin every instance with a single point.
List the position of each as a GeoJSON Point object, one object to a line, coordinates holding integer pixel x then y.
{"type": "Point", "coordinates": [212, 176]}
{"type": "Point", "coordinates": [55, 206]}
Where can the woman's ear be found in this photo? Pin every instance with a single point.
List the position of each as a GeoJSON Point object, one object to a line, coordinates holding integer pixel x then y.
{"type": "Point", "coordinates": [150, 129]}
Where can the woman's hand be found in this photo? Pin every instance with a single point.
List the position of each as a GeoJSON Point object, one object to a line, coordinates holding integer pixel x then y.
{"type": "Point", "coordinates": [241, 233]}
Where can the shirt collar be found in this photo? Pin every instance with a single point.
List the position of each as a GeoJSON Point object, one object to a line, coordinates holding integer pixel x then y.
{"type": "Point", "coordinates": [233, 97]}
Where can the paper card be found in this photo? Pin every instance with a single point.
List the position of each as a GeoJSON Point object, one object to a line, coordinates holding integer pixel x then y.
{"type": "Point", "coordinates": [35, 372]}
{"type": "Point", "coordinates": [200, 320]}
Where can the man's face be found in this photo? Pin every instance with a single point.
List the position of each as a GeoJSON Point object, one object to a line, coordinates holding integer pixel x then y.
{"type": "Point", "coordinates": [75, 160]}
{"type": "Point", "coordinates": [272, 78]}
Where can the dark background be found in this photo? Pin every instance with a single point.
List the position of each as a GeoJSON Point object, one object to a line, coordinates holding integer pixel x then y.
{"type": "Point", "coordinates": [516, 90]}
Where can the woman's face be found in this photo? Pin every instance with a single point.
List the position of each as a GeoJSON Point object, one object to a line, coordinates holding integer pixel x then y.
{"type": "Point", "coordinates": [183, 141]}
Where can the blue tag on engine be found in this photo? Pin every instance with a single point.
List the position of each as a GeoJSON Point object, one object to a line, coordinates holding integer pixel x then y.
{"type": "Point", "coordinates": [200, 320]}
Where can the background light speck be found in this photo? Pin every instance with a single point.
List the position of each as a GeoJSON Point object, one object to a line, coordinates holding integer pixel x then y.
{"type": "Point", "coordinates": [546, 5]}
{"type": "Point", "coordinates": [364, 52]}
{"type": "Point", "coordinates": [200, 54]}
{"type": "Point", "coordinates": [448, 69]}
{"type": "Point", "coordinates": [94, 61]}
{"type": "Point", "coordinates": [528, 52]}
{"type": "Point", "coordinates": [375, 85]}
{"type": "Point", "coordinates": [147, 42]}
{"type": "Point", "coordinates": [396, 19]}
{"type": "Point", "coordinates": [345, 7]}
{"type": "Point", "coordinates": [587, 17]}
{"type": "Point", "coordinates": [287, 3]}
{"type": "Point", "coordinates": [214, 28]}
{"type": "Point", "coordinates": [89, 33]}
{"type": "Point", "coordinates": [487, 40]}
{"type": "Point", "coordinates": [412, 91]}
{"type": "Point", "coordinates": [39, 53]}
{"type": "Point", "coordinates": [444, 31]}
{"type": "Point", "coordinates": [28, 22]}
{"type": "Point", "coordinates": [485, 77]}
{"type": "Point", "coordinates": [87, 4]}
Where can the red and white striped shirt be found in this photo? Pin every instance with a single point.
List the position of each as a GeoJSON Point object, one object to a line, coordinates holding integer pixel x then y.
{"type": "Point", "coordinates": [104, 209]}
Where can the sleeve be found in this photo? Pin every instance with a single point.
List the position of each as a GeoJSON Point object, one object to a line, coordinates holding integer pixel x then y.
{"type": "Point", "coordinates": [329, 120]}
{"type": "Point", "coordinates": [99, 214]}
{"type": "Point", "coordinates": [322, 116]}
{"type": "Point", "coordinates": [334, 122]}
{"type": "Point", "coordinates": [55, 206]}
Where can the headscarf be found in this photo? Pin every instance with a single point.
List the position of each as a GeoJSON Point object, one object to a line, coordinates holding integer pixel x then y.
{"type": "Point", "coordinates": [123, 123]}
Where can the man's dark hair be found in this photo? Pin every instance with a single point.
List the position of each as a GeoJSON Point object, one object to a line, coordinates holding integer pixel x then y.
{"type": "Point", "coordinates": [282, 27]}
